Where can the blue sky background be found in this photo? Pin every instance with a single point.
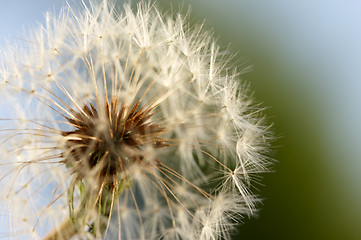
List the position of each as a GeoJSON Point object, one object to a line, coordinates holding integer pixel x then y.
{"type": "Point", "coordinates": [307, 68]}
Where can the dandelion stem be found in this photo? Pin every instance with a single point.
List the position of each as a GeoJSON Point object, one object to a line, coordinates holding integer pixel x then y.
{"type": "Point", "coordinates": [64, 231]}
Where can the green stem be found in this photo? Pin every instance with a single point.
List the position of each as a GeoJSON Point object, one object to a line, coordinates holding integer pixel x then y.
{"type": "Point", "coordinates": [64, 231]}
{"type": "Point", "coordinates": [70, 226]}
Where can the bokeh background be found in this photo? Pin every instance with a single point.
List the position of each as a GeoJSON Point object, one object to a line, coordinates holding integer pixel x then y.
{"type": "Point", "coordinates": [306, 59]}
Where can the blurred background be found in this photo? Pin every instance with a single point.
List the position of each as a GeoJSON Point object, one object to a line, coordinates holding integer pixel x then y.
{"type": "Point", "coordinates": [306, 58]}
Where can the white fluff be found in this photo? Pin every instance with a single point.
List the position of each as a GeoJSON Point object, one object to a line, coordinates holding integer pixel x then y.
{"type": "Point", "coordinates": [214, 130]}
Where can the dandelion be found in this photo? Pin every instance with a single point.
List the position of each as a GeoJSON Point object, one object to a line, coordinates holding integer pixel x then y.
{"type": "Point", "coordinates": [125, 125]}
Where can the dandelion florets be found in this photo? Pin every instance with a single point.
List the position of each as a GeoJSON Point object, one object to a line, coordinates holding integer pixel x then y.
{"type": "Point", "coordinates": [125, 124]}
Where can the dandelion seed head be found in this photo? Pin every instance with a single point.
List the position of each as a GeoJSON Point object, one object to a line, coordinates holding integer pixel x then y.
{"type": "Point", "coordinates": [126, 124]}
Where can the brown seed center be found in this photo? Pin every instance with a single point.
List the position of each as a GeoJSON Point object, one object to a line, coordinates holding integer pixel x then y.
{"type": "Point", "coordinates": [110, 139]}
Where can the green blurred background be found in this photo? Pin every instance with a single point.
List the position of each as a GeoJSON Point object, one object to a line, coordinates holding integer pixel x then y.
{"type": "Point", "coordinates": [307, 71]}
{"type": "Point", "coordinates": [306, 58]}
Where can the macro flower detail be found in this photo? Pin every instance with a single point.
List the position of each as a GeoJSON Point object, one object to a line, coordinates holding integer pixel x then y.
{"type": "Point", "coordinates": [125, 124]}
{"type": "Point", "coordinates": [113, 147]}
